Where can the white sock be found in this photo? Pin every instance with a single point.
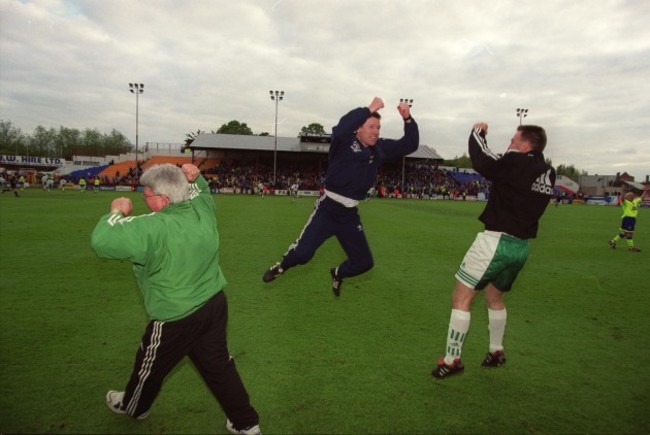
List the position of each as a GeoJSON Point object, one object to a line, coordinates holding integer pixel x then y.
{"type": "Point", "coordinates": [458, 327]}
{"type": "Point", "coordinates": [497, 328]}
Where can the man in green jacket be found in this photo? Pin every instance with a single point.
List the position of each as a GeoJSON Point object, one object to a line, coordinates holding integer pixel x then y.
{"type": "Point", "coordinates": [175, 256]}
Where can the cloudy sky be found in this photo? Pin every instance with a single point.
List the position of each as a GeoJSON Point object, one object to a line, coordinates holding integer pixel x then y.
{"type": "Point", "coordinates": [581, 68]}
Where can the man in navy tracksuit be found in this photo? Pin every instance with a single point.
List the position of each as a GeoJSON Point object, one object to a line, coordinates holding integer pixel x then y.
{"type": "Point", "coordinates": [355, 154]}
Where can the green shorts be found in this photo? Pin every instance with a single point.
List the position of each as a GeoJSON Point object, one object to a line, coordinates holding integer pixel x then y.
{"type": "Point", "coordinates": [494, 258]}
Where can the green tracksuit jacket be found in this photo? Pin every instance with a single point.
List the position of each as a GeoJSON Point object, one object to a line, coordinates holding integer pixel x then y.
{"type": "Point", "coordinates": [175, 253]}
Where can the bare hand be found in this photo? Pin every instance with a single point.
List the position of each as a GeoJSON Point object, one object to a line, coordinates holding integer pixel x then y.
{"type": "Point", "coordinates": [191, 171]}
{"type": "Point", "coordinates": [404, 110]}
{"type": "Point", "coordinates": [122, 205]}
{"type": "Point", "coordinates": [376, 104]}
{"type": "Point", "coordinates": [481, 126]}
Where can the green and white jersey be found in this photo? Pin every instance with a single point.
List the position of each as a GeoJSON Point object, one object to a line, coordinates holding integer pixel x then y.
{"type": "Point", "coordinates": [175, 253]}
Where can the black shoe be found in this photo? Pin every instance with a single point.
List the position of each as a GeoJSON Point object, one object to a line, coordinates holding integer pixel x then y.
{"type": "Point", "coordinates": [273, 272]}
{"type": "Point", "coordinates": [612, 244]}
{"type": "Point", "coordinates": [337, 282]}
{"type": "Point", "coordinates": [634, 249]}
{"type": "Point", "coordinates": [494, 359]}
{"type": "Point", "coordinates": [443, 370]}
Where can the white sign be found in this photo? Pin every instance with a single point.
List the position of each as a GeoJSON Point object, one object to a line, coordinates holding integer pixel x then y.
{"type": "Point", "coordinates": [10, 159]}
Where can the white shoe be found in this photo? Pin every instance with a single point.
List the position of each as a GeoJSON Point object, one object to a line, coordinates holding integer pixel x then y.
{"type": "Point", "coordinates": [114, 403]}
{"type": "Point", "coordinates": [252, 430]}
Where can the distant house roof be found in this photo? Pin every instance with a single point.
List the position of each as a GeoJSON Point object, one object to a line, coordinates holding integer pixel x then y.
{"type": "Point", "coordinates": [425, 152]}
{"type": "Point", "coordinates": [637, 186]}
{"type": "Point", "coordinates": [317, 143]}
{"type": "Point", "coordinates": [597, 180]}
{"type": "Point", "coordinates": [208, 141]}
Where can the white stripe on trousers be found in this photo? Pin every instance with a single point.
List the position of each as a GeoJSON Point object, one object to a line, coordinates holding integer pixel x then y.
{"type": "Point", "coordinates": [145, 368]}
{"type": "Point", "coordinates": [311, 217]}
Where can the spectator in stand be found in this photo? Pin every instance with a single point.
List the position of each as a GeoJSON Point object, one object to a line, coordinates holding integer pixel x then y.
{"type": "Point", "coordinates": [355, 155]}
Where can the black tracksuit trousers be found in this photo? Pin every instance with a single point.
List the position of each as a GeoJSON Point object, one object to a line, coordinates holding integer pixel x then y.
{"type": "Point", "coordinates": [202, 337]}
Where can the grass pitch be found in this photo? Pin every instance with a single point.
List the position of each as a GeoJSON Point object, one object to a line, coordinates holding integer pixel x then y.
{"type": "Point", "coordinates": [576, 341]}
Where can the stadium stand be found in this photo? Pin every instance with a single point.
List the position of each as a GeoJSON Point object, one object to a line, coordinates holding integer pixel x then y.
{"type": "Point", "coordinates": [157, 160]}
{"type": "Point", "coordinates": [122, 168]}
{"type": "Point", "coordinates": [202, 163]}
{"type": "Point", "coordinates": [463, 177]}
{"type": "Point", "coordinates": [87, 172]}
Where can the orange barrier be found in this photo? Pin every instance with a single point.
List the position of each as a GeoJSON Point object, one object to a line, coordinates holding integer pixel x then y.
{"type": "Point", "coordinates": [201, 162]}
{"type": "Point", "coordinates": [121, 167]}
{"type": "Point", "coordinates": [157, 160]}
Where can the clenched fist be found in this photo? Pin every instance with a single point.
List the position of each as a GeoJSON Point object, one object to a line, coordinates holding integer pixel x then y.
{"type": "Point", "coordinates": [191, 171]}
{"type": "Point", "coordinates": [122, 205]}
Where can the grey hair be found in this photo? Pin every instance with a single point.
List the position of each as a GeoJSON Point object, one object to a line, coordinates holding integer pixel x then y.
{"type": "Point", "coordinates": [169, 180]}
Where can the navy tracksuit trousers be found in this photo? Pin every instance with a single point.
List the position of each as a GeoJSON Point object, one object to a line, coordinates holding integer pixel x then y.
{"type": "Point", "coordinates": [328, 219]}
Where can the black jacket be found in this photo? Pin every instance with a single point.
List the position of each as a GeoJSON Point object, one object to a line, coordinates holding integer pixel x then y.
{"type": "Point", "coordinates": [522, 186]}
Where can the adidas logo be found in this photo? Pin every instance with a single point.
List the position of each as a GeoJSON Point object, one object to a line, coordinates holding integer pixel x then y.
{"type": "Point", "coordinates": [543, 184]}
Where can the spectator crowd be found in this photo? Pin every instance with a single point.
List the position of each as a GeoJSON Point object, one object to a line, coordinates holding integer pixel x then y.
{"type": "Point", "coordinates": [414, 181]}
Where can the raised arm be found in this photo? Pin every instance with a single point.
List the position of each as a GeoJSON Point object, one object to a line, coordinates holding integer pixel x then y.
{"type": "Point", "coordinates": [484, 160]}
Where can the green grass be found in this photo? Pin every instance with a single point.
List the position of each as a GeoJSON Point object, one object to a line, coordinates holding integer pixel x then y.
{"type": "Point", "coordinates": [577, 337]}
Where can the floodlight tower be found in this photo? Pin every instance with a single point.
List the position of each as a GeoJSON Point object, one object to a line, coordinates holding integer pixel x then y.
{"type": "Point", "coordinates": [521, 114]}
{"type": "Point", "coordinates": [137, 89]}
{"type": "Point", "coordinates": [276, 96]}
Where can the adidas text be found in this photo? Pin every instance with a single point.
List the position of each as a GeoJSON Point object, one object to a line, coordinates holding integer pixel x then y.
{"type": "Point", "coordinates": [542, 188]}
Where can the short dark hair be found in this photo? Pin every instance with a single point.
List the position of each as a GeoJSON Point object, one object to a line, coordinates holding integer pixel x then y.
{"type": "Point", "coordinates": [534, 135]}
{"type": "Point", "coordinates": [372, 115]}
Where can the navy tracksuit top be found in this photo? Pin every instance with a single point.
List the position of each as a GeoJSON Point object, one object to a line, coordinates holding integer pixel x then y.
{"type": "Point", "coordinates": [352, 167]}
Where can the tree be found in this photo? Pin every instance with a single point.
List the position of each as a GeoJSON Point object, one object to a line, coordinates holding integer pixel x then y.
{"type": "Point", "coordinates": [571, 172]}
{"type": "Point", "coordinates": [69, 142]}
{"type": "Point", "coordinates": [12, 139]}
{"type": "Point", "coordinates": [313, 128]}
{"type": "Point", "coordinates": [92, 142]}
{"type": "Point", "coordinates": [115, 143]}
{"type": "Point", "coordinates": [41, 143]}
{"type": "Point", "coordinates": [64, 142]}
{"type": "Point", "coordinates": [235, 127]}
{"type": "Point", "coordinates": [189, 137]}
{"type": "Point", "coordinates": [459, 162]}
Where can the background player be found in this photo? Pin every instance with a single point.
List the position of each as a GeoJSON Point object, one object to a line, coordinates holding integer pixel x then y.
{"type": "Point", "coordinates": [630, 206]}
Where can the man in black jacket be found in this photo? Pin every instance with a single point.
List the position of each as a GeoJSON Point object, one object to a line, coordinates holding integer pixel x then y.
{"type": "Point", "coordinates": [355, 154]}
{"type": "Point", "coordinates": [522, 186]}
